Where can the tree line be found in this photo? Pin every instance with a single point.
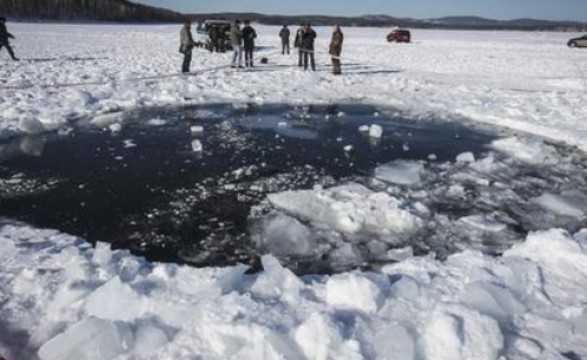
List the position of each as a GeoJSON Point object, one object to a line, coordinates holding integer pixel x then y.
{"type": "Point", "coordinates": [80, 10]}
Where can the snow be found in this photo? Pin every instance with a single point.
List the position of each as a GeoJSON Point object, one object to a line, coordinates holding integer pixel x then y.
{"type": "Point", "coordinates": [61, 298]}
{"type": "Point", "coordinates": [71, 300]}
{"type": "Point", "coordinates": [527, 81]}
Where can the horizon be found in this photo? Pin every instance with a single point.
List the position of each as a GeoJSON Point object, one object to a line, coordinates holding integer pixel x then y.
{"type": "Point", "coordinates": [564, 10]}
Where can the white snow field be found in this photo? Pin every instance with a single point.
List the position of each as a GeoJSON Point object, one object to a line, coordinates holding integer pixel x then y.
{"type": "Point", "coordinates": [61, 298]}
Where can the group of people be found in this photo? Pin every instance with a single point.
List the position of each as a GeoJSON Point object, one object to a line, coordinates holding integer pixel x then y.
{"type": "Point", "coordinates": [5, 37]}
{"type": "Point", "coordinates": [243, 40]}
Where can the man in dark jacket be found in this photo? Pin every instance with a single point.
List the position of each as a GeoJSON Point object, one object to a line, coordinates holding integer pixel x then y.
{"type": "Point", "coordinates": [186, 46]}
{"type": "Point", "coordinates": [4, 36]}
{"type": "Point", "coordinates": [308, 38]}
{"type": "Point", "coordinates": [298, 44]}
{"type": "Point", "coordinates": [214, 38]}
{"type": "Point", "coordinates": [284, 34]}
{"type": "Point", "coordinates": [249, 36]}
{"type": "Point", "coordinates": [336, 49]}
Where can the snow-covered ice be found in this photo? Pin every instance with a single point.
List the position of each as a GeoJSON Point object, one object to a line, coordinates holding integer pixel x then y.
{"type": "Point", "coordinates": [61, 298]}
{"type": "Point", "coordinates": [528, 81]}
{"type": "Point", "coordinates": [70, 300]}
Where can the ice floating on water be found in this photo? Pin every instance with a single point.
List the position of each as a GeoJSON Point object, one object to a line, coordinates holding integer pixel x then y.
{"type": "Point", "coordinates": [105, 120]}
{"type": "Point", "coordinates": [375, 131]}
{"type": "Point", "coordinates": [129, 143]}
{"type": "Point", "coordinates": [400, 172]}
{"type": "Point", "coordinates": [348, 148]}
{"type": "Point", "coordinates": [466, 158]}
{"type": "Point", "coordinates": [529, 150]}
{"type": "Point", "coordinates": [570, 203]}
{"type": "Point", "coordinates": [197, 129]}
{"type": "Point", "coordinates": [197, 146]}
{"type": "Point", "coordinates": [284, 235]}
{"type": "Point", "coordinates": [31, 125]}
{"type": "Point", "coordinates": [156, 122]}
{"type": "Point", "coordinates": [364, 128]}
{"type": "Point", "coordinates": [349, 209]}
{"type": "Point", "coordinates": [115, 127]}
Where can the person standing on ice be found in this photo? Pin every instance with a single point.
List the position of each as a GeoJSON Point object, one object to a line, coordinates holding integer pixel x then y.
{"type": "Point", "coordinates": [298, 44]}
{"type": "Point", "coordinates": [308, 38]}
{"type": "Point", "coordinates": [284, 34]}
{"type": "Point", "coordinates": [249, 36]}
{"type": "Point", "coordinates": [336, 49]}
{"type": "Point", "coordinates": [187, 44]}
{"type": "Point", "coordinates": [214, 39]}
{"type": "Point", "coordinates": [4, 39]}
{"type": "Point", "coordinates": [236, 40]}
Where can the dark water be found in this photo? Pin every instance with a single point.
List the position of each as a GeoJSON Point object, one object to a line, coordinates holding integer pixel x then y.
{"type": "Point", "coordinates": [165, 201]}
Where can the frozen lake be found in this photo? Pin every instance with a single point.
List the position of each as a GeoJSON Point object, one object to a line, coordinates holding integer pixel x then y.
{"type": "Point", "coordinates": [519, 193]}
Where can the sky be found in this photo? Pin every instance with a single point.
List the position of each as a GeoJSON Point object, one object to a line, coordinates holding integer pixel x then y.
{"type": "Point", "coordinates": [419, 9]}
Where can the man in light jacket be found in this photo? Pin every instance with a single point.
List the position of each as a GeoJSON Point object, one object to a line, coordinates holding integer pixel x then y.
{"type": "Point", "coordinates": [236, 40]}
{"type": "Point", "coordinates": [187, 44]}
{"type": "Point", "coordinates": [4, 39]}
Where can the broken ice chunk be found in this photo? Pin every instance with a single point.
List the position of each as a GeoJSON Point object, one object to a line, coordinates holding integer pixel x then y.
{"type": "Point", "coordinates": [466, 158]}
{"type": "Point", "coordinates": [197, 146]}
{"type": "Point", "coordinates": [375, 131]}
{"type": "Point", "coordinates": [90, 339]}
{"type": "Point", "coordinates": [197, 129]}
{"type": "Point", "coordinates": [400, 172]}
{"type": "Point", "coordinates": [129, 143]}
{"type": "Point", "coordinates": [156, 122]}
{"type": "Point", "coordinates": [115, 127]}
{"type": "Point", "coordinates": [568, 204]}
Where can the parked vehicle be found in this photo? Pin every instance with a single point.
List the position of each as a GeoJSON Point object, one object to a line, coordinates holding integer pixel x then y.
{"type": "Point", "coordinates": [399, 36]}
{"type": "Point", "coordinates": [578, 42]}
{"type": "Point", "coordinates": [202, 36]}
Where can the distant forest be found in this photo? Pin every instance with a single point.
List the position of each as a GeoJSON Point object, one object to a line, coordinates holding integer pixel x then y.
{"type": "Point", "coordinates": [85, 10]}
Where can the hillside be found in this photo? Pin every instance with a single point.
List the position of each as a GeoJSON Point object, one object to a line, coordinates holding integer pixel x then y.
{"type": "Point", "coordinates": [380, 20]}
{"type": "Point", "coordinates": [85, 10]}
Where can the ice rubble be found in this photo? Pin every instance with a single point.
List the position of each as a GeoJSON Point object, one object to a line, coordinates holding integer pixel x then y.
{"type": "Point", "coordinates": [73, 301]}
{"type": "Point", "coordinates": [486, 204]}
